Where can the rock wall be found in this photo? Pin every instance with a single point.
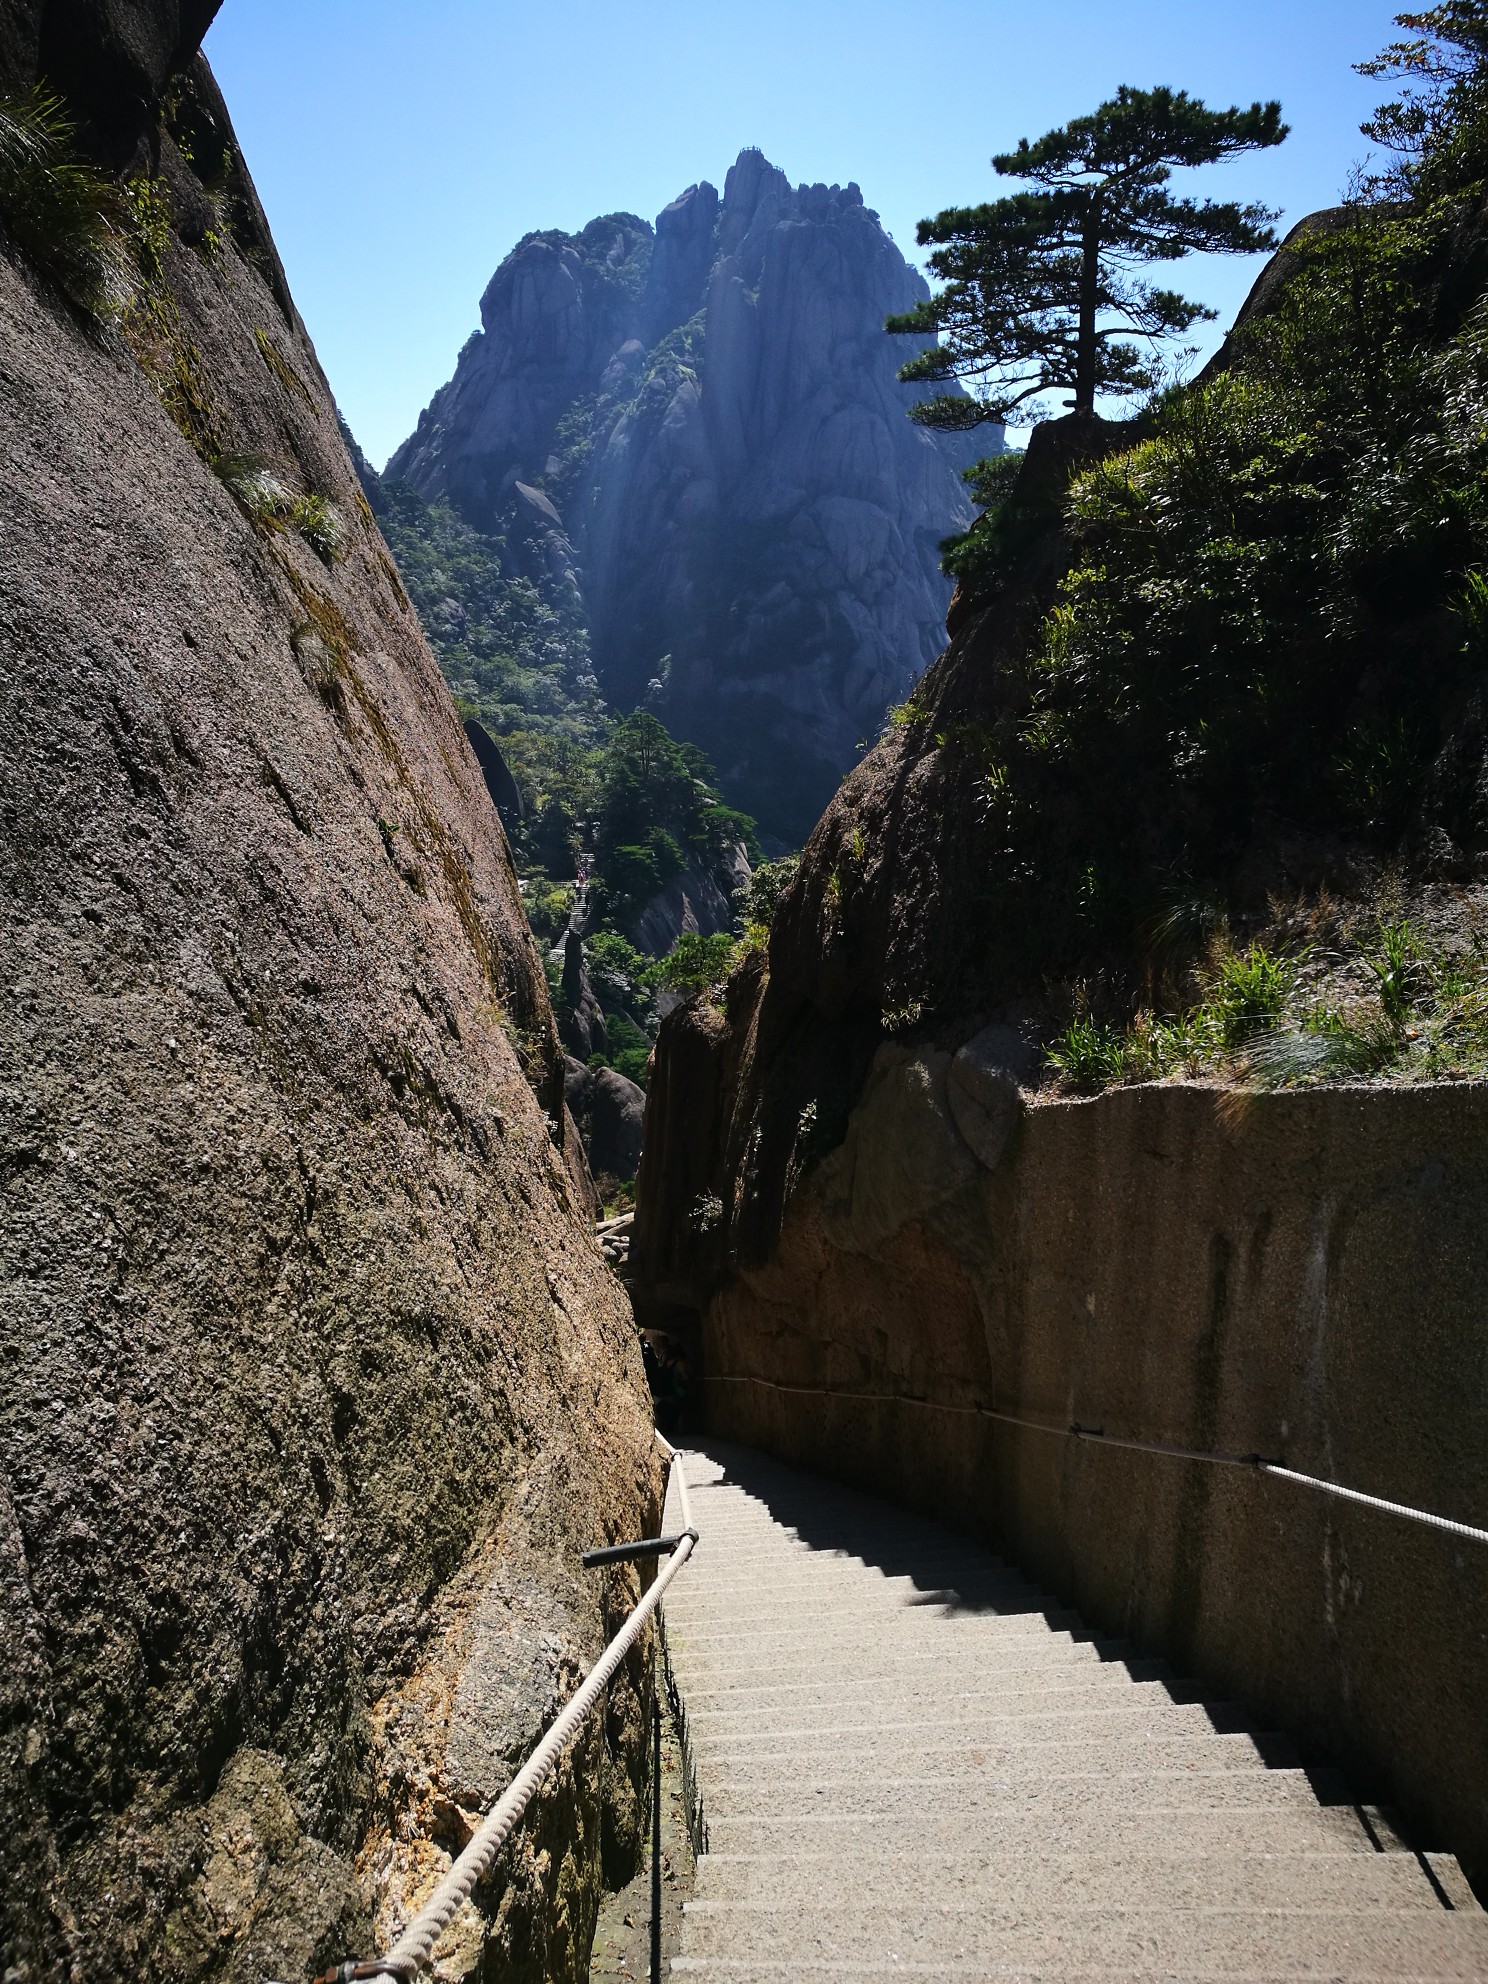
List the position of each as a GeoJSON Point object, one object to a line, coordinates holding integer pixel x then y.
{"type": "Point", "coordinates": [313, 1383]}
{"type": "Point", "coordinates": [1299, 1276]}
{"type": "Point", "coordinates": [712, 414]}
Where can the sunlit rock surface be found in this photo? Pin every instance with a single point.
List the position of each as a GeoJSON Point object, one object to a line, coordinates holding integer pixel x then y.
{"type": "Point", "coordinates": [712, 410]}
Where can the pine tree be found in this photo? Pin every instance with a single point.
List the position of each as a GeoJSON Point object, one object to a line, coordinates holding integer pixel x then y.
{"type": "Point", "coordinates": [1041, 289]}
{"type": "Point", "coordinates": [1438, 127]}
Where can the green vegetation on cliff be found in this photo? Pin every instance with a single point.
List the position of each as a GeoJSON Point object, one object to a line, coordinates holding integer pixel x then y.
{"type": "Point", "coordinates": [1357, 1000]}
{"type": "Point", "coordinates": [610, 804]}
{"type": "Point", "coordinates": [1268, 649]}
{"type": "Point", "coordinates": [514, 649]}
{"type": "Point", "coordinates": [68, 219]}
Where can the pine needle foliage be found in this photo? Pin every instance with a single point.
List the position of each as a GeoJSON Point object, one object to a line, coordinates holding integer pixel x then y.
{"type": "Point", "coordinates": [1041, 289]}
{"type": "Point", "coordinates": [1438, 125]}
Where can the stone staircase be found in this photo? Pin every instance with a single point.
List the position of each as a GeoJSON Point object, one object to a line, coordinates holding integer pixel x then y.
{"type": "Point", "coordinates": [909, 1764]}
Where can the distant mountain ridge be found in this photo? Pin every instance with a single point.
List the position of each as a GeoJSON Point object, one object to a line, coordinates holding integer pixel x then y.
{"type": "Point", "coordinates": [700, 425]}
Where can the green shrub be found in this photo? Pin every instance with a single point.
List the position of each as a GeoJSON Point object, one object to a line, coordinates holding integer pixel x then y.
{"type": "Point", "coordinates": [629, 1046]}
{"type": "Point", "coordinates": [321, 524]}
{"type": "Point", "coordinates": [980, 555]}
{"type": "Point", "coordinates": [1154, 1048]}
{"type": "Point", "coordinates": [1426, 1019]}
{"type": "Point", "coordinates": [1393, 961]}
{"type": "Point", "coordinates": [548, 910]}
{"type": "Point", "coordinates": [1471, 608]}
{"type": "Point", "coordinates": [615, 955]}
{"type": "Point", "coordinates": [1379, 771]}
{"type": "Point", "coordinates": [257, 488]}
{"type": "Point", "coordinates": [695, 964]}
{"type": "Point", "coordinates": [762, 897]}
{"type": "Point", "coordinates": [632, 1063]}
{"type": "Point", "coordinates": [66, 218]}
{"type": "Point", "coordinates": [632, 875]}
{"type": "Point", "coordinates": [618, 970]}
{"type": "Point", "coordinates": [1270, 622]}
{"type": "Point", "coordinates": [1324, 1045]}
{"type": "Point", "coordinates": [725, 827]}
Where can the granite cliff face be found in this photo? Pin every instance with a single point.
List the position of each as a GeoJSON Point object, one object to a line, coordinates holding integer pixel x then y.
{"type": "Point", "coordinates": [313, 1383]}
{"type": "Point", "coordinates": [702, 426]}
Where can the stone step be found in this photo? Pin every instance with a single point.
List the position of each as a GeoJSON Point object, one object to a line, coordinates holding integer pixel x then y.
{"type": "Point", "coordinates": [941, 1562]}
{"type": "Point", "coordinates": [1022, 1831]}
{"type": "Point", "coordinates": [865, 1626]}
{"type": "Point", "coordinates": [1057, 1651]}
{"type": "Point", "coordinates": [902, 1626]}
{"type": "Point", "coordinates": [739, 1572]}
{"type": "Point", "coordinates": [723, 1558]}
{"type": "Point", "coordinates": [1136, 1941]}
{"type": "Point", "coordinates": [862, 1635]}
{"type": "Point", "coordinates": [1082, 1718]}
{"type": "Point", "coordinates": [1034, 1643]}
{"type": "Point", "coordinates": [912, 1763]}
{"type": "Point", "coordinates": [1003, 1755]}
{"type": "Point", "coordinates": [1043, 1714]}
{"type": "Point", "coordinates": [1170, 1878]}
{"type": "Point", "coordinates": [871, 1677]}
{"type": "Point", "coordinates": [858, 1787]}
{"type": "Point", "coordinates": [834, 1539]}
{"type": "Point", "coordinates": [766, 1606]}
{"type": "Point", "coordinates": [805, 1708]}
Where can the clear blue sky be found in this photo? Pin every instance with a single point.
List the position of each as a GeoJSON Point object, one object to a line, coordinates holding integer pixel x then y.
{"type": "Point", "coordinates": [402, 148]}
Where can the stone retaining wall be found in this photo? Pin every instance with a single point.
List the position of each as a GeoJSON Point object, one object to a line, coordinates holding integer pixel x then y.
{"type": "Point", "coordinates": [1301, 1275]}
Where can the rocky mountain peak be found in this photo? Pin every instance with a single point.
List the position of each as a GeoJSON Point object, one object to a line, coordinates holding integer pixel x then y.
{"type": "Point", "coordinates": [712, 408]}
{"type": "Point", "coordinates": [685, 246]}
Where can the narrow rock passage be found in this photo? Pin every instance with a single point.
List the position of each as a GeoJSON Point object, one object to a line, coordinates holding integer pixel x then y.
{"type": "Point", "coordinates": [911, 1764]}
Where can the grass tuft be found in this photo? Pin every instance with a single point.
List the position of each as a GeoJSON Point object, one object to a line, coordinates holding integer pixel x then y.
{"type": "Point", "coordinates": [270, 504]}
{"type": "Point", "coordinates": [1419, 1017]}
{"type": "Point", "coordinates": [65, 217]}
{"type": "Point", "coordinates": [1088, 1055]}
{"type": "Point", "coordinates": [321, 524]}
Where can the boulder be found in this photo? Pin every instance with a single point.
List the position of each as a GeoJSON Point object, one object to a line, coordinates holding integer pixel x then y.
{"type": "Point", "coordinates": [699, 901]}
{"type": "Point", "coordinates": [506, 794]}
{"type": "Point", "coordinates": [984, 1090]}
{"type": "Point", "coordinates": [617, 1121]}
{"type": "Point", "coordinates": [903, 1154]}
{"type": "Point", "coordinates": [610, 1111]}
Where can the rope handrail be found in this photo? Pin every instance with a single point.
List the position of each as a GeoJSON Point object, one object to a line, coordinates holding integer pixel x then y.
{"type": "Point", "coordinates": [415, 1946]}
{"type": "Point", "coordinates": [1097, 1436]}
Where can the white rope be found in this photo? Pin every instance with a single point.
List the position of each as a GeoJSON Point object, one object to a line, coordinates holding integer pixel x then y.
{"type": "Point", "coordinates": [416, 1944]}
{"type": "Point", "coordinates": [1102, 1439]}
{"type": "Point", "coordinates": [677, 1473]}
{"type": "Point", "coordinates": [1463, 1529]}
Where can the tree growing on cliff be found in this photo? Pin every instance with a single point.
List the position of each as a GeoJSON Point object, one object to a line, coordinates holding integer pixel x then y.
{"type": "Point", "coordinates": [1041, 287]}
{"type": "Point", "coordinates": [1438, 126]}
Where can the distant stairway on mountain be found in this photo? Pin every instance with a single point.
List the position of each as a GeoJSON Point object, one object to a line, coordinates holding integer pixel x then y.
{"type": "Point", "coordinates": [909, 1764]}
